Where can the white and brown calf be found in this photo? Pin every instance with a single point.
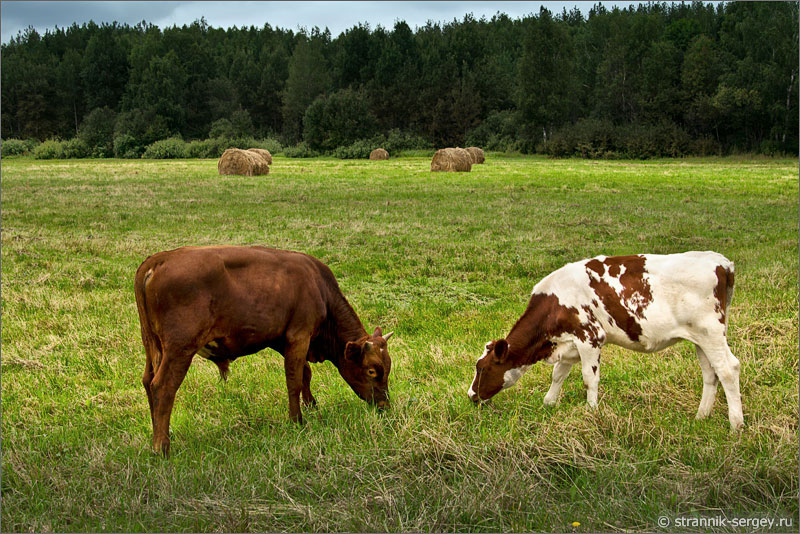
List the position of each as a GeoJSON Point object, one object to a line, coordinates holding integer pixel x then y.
{"type": "Point", "coordinates": [644, 303]}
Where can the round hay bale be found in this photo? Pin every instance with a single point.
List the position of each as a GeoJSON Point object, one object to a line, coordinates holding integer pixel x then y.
{"type": "Point", "coordinates": [263, 153]}
{"type": "Point", "coordinates": [379, 153]}
{"type": "Point", "coordinates": [451, 160]}
{"type": "Point", "coordinates": [476, 154]}
{"type": "Point", "coordinates": [242, 162]}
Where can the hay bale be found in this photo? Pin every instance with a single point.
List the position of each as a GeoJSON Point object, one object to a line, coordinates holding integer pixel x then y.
{"type": "Point", "coordinates": [379, 153]}
{"type": "Point", "coordinates": [476, 154]}
{"type": "Point", "coordinates": [451, 160]}
{"type": "Point", "coordinates": [263, 153]}
{"type": "Point", "coordinates": [242, 162]}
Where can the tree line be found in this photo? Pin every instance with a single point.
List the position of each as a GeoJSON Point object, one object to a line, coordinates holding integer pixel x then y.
{"type": "Point", "coordinates": [648, 80]}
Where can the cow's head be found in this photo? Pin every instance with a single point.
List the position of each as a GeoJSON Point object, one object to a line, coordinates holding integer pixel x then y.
{"type": "Point", "coordinates": [366, 367]}
{"type": "Point", "coordinates": [490, 372]}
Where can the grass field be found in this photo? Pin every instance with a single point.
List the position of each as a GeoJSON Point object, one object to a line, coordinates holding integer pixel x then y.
{"type": "Point", "coordinates": [447, 261]}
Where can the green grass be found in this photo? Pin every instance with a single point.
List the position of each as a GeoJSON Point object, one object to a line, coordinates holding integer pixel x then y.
{"type": "Point", "coordinates": [448, 262]}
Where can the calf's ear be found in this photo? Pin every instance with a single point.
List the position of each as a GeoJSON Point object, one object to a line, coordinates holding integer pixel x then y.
{"type": "Point", "coordinates": [353, 352]}
{"type": "Point", "coordinates": [501, 350]}
{"type": "Point", "coordinates": [378, 332]}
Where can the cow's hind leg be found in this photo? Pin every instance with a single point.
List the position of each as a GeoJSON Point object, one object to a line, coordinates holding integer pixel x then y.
{"type": "Point", "coordinates": [710, 382]}
{"type": "Point", "coordinates": [590, 369]}
{"type": "Point", "coordinates": [726, 367]}
{"type": "Point", "coordinates": [165, 384]}
{"type": "Point", "coordinates": [294, 364]}
{"type": "Point", "coordinates": [152, 359]}
{"type": "Point", "coordinates": [308, 398]}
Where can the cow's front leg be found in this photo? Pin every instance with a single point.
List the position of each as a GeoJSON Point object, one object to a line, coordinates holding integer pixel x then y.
{"type": "Point", "coordinates": [590, 368]}
{"type": "Point", "coordinates": [294, 363]}
{"type": "Point", "coordinates": [308, 398]}
{"type": "Point", "coordinates": [560, 371]}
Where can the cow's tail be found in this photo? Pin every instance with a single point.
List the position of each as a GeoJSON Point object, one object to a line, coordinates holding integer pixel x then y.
{"type": "Point", "coordinates": [151, 342]}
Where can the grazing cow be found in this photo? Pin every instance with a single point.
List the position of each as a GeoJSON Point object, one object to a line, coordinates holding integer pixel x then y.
{"type": "Point", "coordinates": [224, 302]}
{"type": "Point", "coordinates": [644, 303]}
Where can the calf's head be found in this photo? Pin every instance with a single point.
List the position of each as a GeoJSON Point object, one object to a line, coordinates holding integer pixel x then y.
{"type": "Point", "coordinates": [490, 372]}
{"type": "Point", "coordinates": [366, 367]}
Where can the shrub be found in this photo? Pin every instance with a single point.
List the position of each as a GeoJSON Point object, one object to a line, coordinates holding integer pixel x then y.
{"type": "Point", "coordinates": [497, 132]}
{"type": "Point", "coordinates": [97, 131]}
{"type": "Point", "coordinates": [207, 148]}
{"type": "Point", "coordinates": [76, 148]}
{"type": "Point", "coordinates": [126, 146]}
{"type": "Point", "coordinates": [16, 147]}
{"type": "Point", "coordinates": [705, 146]}
{"type": "Point", "coordinates": [358, 150]}
{"type": "Point", "coordinates": [300, 150]}
{"type": "Point", "coordinates": [268, 143]}
{"type": "Point", "coordinates": [136, 129]}
{"type": "Point", "coordinates": [50, 149]}
{"type": "Point", "coordinates": [398, 141]}
{"type": "Point", "coordinates": [171, 148]}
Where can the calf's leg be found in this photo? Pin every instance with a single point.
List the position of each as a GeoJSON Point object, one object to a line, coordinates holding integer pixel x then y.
{"type": "Point", "coordinates": [308, 398]}
{"type": "Point", "coordinates": [294, 362]}
{"type": "Point", "coordinates": [590, 369]}
{"type": "Point", "coordinates": [560, 371]}
{"type": "Point", "coordinates": [165, 384]}
{"type": "Point", "coordinates": [710, 382]}
{"type": "Point", "coordinates": [726, 367]}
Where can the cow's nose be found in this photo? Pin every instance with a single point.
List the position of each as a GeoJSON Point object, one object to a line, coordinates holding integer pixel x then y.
{"type": "Point", "coordinates": [383, 404]}
{"type": "Point", "coordinates": [472, 395]}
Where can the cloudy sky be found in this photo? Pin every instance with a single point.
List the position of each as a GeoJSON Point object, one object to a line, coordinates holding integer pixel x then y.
{"type": "Point", "coordinates": [337, 16]}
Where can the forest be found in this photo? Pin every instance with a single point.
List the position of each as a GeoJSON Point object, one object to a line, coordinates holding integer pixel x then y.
{"type": "Point", "coordinates": [649, 80]}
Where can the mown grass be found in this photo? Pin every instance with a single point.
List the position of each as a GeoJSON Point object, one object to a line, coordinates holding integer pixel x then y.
{"type": "Point", "coordinates": [445, 260]}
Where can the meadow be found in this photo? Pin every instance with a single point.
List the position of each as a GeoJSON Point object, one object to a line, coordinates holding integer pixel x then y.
{"type": "Point", "coordinates": [445, 260]}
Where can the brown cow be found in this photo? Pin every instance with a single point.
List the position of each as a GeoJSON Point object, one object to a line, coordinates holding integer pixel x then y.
{"type": "Point", "coordinates": [224, 302]}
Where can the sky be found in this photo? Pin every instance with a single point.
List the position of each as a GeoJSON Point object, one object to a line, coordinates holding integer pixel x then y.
{"type": "Point", "coordinates": [337, 16]}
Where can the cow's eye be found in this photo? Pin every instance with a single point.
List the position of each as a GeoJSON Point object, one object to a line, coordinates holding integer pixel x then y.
{"type": "Point", "coordinates": [372, 372]}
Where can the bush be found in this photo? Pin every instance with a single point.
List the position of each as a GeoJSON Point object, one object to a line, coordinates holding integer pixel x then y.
{"type": "Point", "coordinates": [598, 138]}
{"type": "Point", "coordinates": [497, 132]}
{"type": "Point", "coordinates": [16, 147]}
{"type": "Point", "coordinates": [126, 146]}
{"type": "Point", "coordinates": [97, 131]}
{"type": "Point", "coordinates": [50, 149]}
{"type": "Point", "coordinates": [76, 148]}
{"type": "Point", "coordinates": [705, 146]}
{"type": "Point", "coordinates": [269, 143]}
{"type": "Point", "coordinates": [207, 148]}
{"type": "Point", "coordinates": [300, 150]}
{"type": "Point", "coordinates": [136, 129]}
{"type": "Point", "coordinates": [398, 141]}
{"type": "Point", "coordinates": [171, 148]}
{"type": "Point", "coordinates": [358, 150]}
{"type": "Point", "coordinates": [643, 141]}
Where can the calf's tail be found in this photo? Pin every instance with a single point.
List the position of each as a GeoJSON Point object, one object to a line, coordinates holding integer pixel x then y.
{"type": "Point", "coordinates": [151, 342]}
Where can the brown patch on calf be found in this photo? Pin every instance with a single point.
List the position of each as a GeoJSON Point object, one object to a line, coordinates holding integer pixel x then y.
{"type": "Point", "coordinates": [628, 305]}
{"type": "Point", "coordinates": [722, 291]}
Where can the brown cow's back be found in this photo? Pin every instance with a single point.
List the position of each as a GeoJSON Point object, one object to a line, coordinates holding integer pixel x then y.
{"type": "Point", "coordinates": [244, 298]}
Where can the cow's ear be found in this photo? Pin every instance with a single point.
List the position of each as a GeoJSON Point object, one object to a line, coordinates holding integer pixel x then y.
{"type": "Point", "coordinates": [378, 332]}
{"type": "Point", "coordinates": [501, 350]}
{"type": "Point", "coordinates": [353, 352]}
